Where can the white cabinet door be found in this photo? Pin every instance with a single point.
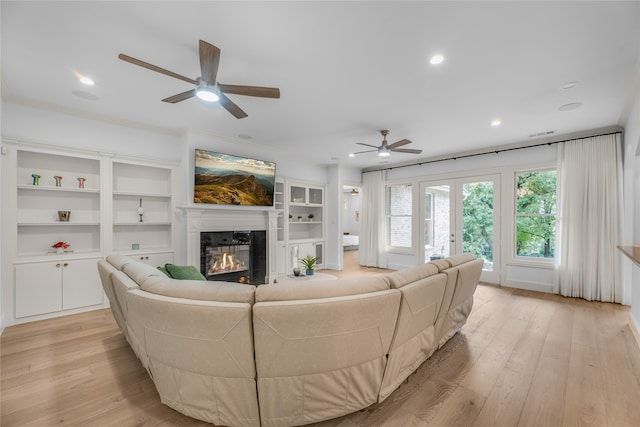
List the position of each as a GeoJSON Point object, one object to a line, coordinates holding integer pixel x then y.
{"type": "Point", "coordinates": [155, 260]}
{"type": "Point", "coordinates": [38, 288]}
{"type": "Point", "coordinates": [81, 284]}
{"type": "Point", "coordinates": [281, 259]}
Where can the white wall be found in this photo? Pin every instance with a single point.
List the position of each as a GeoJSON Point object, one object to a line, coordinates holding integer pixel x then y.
{"type": "Point", "coordinates": [631, 228]}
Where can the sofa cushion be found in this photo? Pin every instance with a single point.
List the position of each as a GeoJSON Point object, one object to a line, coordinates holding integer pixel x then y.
{"type": "Point", "coordinates": [138, 271]}
{"type": "Point", "coordinates": [401, 278]}
{"type": "Point", "coordinates": [198, 290]}
{"type": "Point", "coordinates": [184, 272]}
{"type": "Point", "coordinates": [119, 261]}
{"type": "Point", "coordinates": [314, 289]}
{"type": "Point", "coordinates": [440, 264]}
{"type": "Point", "coordinates": [456, 260]}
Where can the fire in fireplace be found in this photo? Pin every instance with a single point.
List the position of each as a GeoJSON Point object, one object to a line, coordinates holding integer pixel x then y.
{"type": "Point", "coordinates": [234, 256]}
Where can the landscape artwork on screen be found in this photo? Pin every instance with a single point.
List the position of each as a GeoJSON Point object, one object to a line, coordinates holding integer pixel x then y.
{"type": "Point", "coordinates": [223, 179]}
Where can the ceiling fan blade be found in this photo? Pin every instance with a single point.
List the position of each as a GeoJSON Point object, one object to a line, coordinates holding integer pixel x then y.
{"type": "Point", "coordinates": [180, 97]}
{"type": "Point", "coordinates": [367, 145]}
{"type": "Point", "coordinates": [405, 150]}
{"type": "Point", "coordinates": [399, 143]}
{"type": "Point", "coordinates": [231, 107]}
{"type": "Point", "coordinates": [209, 61]}
{"type": "Point", "coordinates": [154, 68]}
{"type": "Point", "coordinates": [263, 92]}
{"type": "Point", "coordinates": [367, 151]}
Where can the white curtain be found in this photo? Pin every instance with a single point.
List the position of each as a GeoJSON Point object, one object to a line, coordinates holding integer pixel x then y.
{"type": "Point", "coordinates": [589, 220]}
{"type": "Point", "coordinates": [372, 251]}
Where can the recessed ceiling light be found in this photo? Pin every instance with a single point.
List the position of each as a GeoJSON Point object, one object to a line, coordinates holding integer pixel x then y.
{"type": "Point", "coordinates": [496, 122]}
{"type": "Point", "coordinates": [352, 155]}
{"type": "Point", "coordinates": [244, 136]}
{"type": "Point", "coordinates": [569, 85]}
{"type": "Point", "coordinates": [436, 59]}
{"type": "Point", "coordinates": [86, 81]}
{"type": "Point", "coordinates": [570, 106]}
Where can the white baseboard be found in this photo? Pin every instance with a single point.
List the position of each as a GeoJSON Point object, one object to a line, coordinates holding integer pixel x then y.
{"type": "Point", "coordinates": [530, 286]}
{"type": "Point", "coordinates": [635, 328]}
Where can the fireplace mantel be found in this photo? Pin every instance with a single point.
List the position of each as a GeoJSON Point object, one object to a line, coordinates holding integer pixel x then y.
{"type": "Point", "coordinates": [229, 218]}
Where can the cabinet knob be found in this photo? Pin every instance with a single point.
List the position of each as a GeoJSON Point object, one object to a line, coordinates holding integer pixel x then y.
{"type": "Point", "coordinates": [146, 257]}
{"type": "Point", "coordinates": [58, 265]}
{"type": "Point", "coordinates": [141, 258]}
{"type": "Point", "coordinates": [66, 264]}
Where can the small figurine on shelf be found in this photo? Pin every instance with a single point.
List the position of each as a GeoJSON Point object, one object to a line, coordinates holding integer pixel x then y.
{"type": "Point", "coordinates": [310, 216]}
{"type": "Point", "coordinates": [81, 181]}
{"type": "Point", "coordinates": [140, 210]}
{"type": "Point", "coordinates": [58, 179]}
{"type": "Point", "coordinates": [36, 178]}
{"type": "Point", "coordinates": [60, 247]}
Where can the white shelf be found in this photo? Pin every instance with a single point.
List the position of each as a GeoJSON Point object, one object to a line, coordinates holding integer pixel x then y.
{"type": "Point", "coordinates": [57, 224]}
{"type": "Point", "coordinates": [61, 189]}
{"type": "Point", "coordinates": [28, 258]}
{"type": "Point", "coordinates": [139, 194]}
{"type": "Point", "coordinates": [139, 224]}
{"type": "Point", "coordinates": [305, 222]}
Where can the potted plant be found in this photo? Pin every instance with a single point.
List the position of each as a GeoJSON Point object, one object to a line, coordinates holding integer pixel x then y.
{"type": "Point", "coordinates": [299, 217]}
{"type": "Point", "coordinates": [310, 216]}
{"type": "Point", "coordinates": [290, 217]}
{"type": "Point", "coordinates": [309, 262]}
{"type": "Point", "coordinates": [60, 247]}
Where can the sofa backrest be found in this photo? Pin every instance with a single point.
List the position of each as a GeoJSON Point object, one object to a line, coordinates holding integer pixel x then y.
{"type": "Point", "coordinates": [321, 358]}
{"type": "Point", "coordinates": [198, 289]}
{"type": "Point", "coordinates": [312, 289]}
{"type": "Point", "coordinates": [414, 338]}
{"type": "Point", "coordinates": [400, 278]}
{"type": "Point", "coordinates": [105, 270]}
{"type": "Point", "coordinates": [122, 284]}
{"type": "Point", "coordinates": [200, 355]}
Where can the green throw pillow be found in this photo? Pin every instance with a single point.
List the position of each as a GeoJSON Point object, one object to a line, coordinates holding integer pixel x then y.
{"type": "Point", "coordinates": [184, 272]}
{"type": "Point", "coordinates": [164, 270]}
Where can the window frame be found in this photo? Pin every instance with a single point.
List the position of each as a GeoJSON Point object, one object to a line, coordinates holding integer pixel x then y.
{"type": "Point", "coordinates": [521, 259]}
{"type": "Point", "coordinates": [387, 214]}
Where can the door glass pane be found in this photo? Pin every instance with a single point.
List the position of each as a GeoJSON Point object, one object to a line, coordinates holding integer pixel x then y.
{"type": "Point", "coordinates": [477, 221]}
{"type": "Point", "coordinates": [437, 225]}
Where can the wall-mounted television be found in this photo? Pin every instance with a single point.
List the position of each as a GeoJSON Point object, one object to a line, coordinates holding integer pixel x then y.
{"type": "Point", "coordinates": [223, 179]}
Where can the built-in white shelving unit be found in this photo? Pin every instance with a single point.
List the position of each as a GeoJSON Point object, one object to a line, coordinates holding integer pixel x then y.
{"type": "Point", "coordinates": [102, 193]}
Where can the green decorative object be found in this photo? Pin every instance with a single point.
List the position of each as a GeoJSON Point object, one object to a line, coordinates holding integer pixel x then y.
{"type": "Point", "coordinates": [309, 263]}
{"type": "Point", "coordinates": [184, 272]}
{"type": "Point", "coordinates": [36, 178]}
{"type": "Point", "coordinates": [58, 179]}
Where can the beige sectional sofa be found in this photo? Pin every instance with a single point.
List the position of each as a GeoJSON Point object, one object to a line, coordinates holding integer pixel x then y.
{"type": "Point", "coordinates": [286, 354]}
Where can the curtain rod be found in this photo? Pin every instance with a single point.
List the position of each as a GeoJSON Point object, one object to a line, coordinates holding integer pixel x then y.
{"type": "Point", "coordinates": [497, 151]}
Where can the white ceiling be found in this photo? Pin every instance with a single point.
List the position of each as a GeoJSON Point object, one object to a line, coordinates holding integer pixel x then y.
{"type": "Point", "coordinates": [345, 69]}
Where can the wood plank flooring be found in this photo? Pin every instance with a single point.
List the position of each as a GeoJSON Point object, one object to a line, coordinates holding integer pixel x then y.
{"type": "Point", "coordinates": [523, 358]}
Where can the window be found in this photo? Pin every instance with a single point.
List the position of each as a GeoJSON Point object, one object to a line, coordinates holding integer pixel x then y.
{"type": "Point", "coordinates": [398, 213]}
{"type": "Point", "coordinates": [428, 219]}
{"type": "Point", "coordinates": [535, 213]}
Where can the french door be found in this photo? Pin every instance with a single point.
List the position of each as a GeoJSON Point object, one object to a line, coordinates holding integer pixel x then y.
{"type": "Point", "coordinates": [462, 215]}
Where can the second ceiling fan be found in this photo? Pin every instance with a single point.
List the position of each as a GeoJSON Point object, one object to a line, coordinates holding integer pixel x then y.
{"type": "Point", "coordinates": [385, 149]}
{"type": "Point", "coordinates": [207, 86]}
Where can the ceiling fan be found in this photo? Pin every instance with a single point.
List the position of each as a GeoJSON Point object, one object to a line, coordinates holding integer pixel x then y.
{"type": "Point", "coordinates": [207, 87]}
{"type": "Point", "coordinates": [384, 150]}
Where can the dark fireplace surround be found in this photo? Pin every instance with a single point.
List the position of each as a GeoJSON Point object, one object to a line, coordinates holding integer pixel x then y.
{"type": "Point", "coordinates": [234, 256]}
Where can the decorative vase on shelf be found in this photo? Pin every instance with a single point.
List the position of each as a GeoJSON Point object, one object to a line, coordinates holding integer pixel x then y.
{"type": "Point", "coordinates": [140, 210]}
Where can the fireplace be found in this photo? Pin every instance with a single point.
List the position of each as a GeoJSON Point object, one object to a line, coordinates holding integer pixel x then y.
{"type": "Point", "coordinates": [234, 256]}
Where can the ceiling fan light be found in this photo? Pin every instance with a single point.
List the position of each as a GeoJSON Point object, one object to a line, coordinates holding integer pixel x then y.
{"type": "Point", "coordinates": [207, 94]}
{"type": "Point", "coordinates": [384, 153]}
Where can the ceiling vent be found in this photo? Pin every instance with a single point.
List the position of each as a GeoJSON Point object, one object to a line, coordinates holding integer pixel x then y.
{"type": "Point", "coordinates": [539, 134]}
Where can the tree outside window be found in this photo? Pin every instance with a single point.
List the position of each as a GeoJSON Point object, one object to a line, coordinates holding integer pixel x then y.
{"type": "Point", "coordinates": [398, 212]}
{"type": "Point", "coordinates": [535, 213]}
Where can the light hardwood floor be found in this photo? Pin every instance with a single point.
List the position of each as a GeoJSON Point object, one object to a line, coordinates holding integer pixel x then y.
{"type": "Point", "coordinates": [523, 358]}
